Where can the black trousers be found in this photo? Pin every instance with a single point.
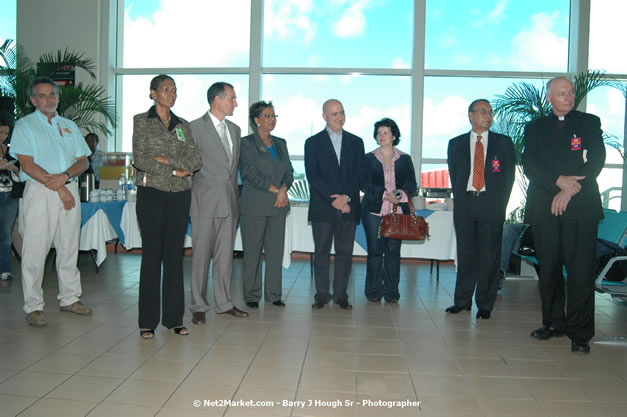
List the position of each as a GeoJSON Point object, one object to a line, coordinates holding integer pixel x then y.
{"type": "Point", "coordinates": [162, 218]}
{"type": "Point", "coordinates": [342, 234]}
{"type": "Point", "coordinates": [572, 243]}
{"type": "Point", "coordinates": [478, 255]}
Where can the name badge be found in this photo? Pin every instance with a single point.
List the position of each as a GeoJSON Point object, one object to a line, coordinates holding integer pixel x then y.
{"type": "Point", "coordinates": [496, 165]}
{"type": "Point", "coordinates": [179, 134]}
{"type": "Point", "coordinates": [575, 143]}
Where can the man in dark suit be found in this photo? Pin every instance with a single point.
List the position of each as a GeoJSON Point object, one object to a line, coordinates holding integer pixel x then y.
{"type": "Point", "coordinates": [333, 162]}
{"type": "Point", "coordinates": [481, 167]}
{"type": "Point", "coordinates": [215, 203]}
{"type": "Point", "coordinates": [563, 156]}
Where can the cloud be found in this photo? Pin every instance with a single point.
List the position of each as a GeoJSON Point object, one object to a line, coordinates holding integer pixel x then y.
{"type": "Point", "coordinates": [289, 19]}
{"type": "Point", "coordinates": [607, 32]}
{"type": "Point", "coordinates": [448, 118]}
{"type": "Point", "coordinates": [299, 118]}
{"type": "Point", "coordinates": [399, 63]}
{"type": "Point", "coordinates": [215, 34]}
{"type": "Point", "coordinates": [497, 15]}
{"type": "Point", "coordinates": [353, 21]}
{"type": "Point", "coordinates": [539, 46]}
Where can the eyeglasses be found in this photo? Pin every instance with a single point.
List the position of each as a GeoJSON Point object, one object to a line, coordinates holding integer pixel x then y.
{"type": "Point", "coordinates": [270, 116]}
{"type": "Point", "coordinates": [484, 112]}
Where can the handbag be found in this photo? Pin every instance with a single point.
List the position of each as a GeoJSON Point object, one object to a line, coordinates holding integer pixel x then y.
{"type": "Point", "coordinates": [404, 226]}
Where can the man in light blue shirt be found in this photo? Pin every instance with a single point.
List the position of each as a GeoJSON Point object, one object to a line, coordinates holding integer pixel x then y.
{"type": "Point", "coordinates": [52, 154]}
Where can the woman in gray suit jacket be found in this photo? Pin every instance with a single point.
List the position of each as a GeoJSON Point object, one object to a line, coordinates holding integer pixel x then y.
{"type": "Point", "coordinates": [267, 174]}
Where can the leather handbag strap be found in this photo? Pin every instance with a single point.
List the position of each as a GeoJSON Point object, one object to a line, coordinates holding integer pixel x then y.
{"type": "Point", "coordinates": [412, 210]}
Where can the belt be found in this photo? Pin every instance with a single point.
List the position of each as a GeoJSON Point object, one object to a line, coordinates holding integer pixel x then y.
{"type": "Point", "coordinates": [476, 193]}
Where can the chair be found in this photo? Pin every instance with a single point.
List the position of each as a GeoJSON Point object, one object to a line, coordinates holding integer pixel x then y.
{"type": "Point", "coordinates": [299, 190]}
{"type": "Point", "coordinates": [612, 228]}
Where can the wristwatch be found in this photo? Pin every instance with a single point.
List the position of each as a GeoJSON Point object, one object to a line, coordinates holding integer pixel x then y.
{"type": "Point", "coordinates": [68, 175]}
{"type": "Point", "coordinates": [348, 199]}
{"type": "Point", "coordinates": [174, 172]}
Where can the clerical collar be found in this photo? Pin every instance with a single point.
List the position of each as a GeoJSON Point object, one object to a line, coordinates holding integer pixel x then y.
{"type": "Point", "coordinates": [560, 118]}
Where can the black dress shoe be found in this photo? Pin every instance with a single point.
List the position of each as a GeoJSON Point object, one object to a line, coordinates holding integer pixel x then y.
{"type": "Point", "coordinates": [375, 300]}
{"type": "Point", "coordinates": [235, 312]}
{"type": "Point", "coordinates": [278, 303]}
{"type": "Point", "coordinates": [391, 300]}
{"type": "Point", "coordinates": [579, 347]}
{"type": "Point", "coordinates": [546, 332]}
{"type": "Point", "coordinates": [252, 304]}
{"type": "Point", "coordinates": [198, 317]}
{"type": "Point", "coordinates": [343, 303]}
{"type": "Point", "coordinates": [318, 305]}
{"type": "Point", "coordinates": [483, 314]}
{"type": "Point", "coordinates": [454, 309]}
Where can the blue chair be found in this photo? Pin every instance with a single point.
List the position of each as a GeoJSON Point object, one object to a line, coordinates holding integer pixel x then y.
{"type": "Point", "coordinates": [612, 228]}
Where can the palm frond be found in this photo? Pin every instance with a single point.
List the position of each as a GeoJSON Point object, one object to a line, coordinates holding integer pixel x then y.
{"type": "Point", "coordinates": [54, 61]}
{"type": "Point", "coordinates": [589, 80]}
{"type": "Point", "coordinates": [88, 107]}
{"type": "Point", "coordinates": [613, 142]}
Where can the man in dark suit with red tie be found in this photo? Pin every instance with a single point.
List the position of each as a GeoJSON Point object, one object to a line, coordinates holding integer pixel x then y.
{"type": "Point", "coordinates": [334, 159]}
{"type": "Point", "coordinates": [481, 167]}
{"type": "Point", "coordinates": [564, 154]}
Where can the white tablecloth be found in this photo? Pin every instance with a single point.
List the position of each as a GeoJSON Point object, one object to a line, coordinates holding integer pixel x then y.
{"type": "Point", "coordinates": [440, 245]}
{"type": "Point", "coordinates": [95, 234]}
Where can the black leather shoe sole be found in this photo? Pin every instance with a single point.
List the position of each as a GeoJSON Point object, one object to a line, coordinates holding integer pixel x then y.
{"type": "Point", "coordinates": [483, 314]}
{"type": "Point", "coordinates": [546, 332]}
{"type": "Point", "coordinates": [344, 304]}
{"type": "Point", "coordinates": [252, 304]}
{"type": "Point", "coordinates": [580, 347]}
{"type": "Point", "coordinates": [454, 309]}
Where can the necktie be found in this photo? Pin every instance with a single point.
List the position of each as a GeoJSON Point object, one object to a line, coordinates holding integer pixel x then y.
{"type": "Point", "coordinates": [478, 179]}
{"type": "Point", "coordinates": [224, 140]}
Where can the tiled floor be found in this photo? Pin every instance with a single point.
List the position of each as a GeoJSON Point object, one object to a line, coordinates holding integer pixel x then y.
{"type": "Point", "coordinates": [318, 362]}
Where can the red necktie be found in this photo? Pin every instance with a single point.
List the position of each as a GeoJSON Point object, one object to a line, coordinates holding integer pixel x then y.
{"type": "Point", "coordinates": [478, 179]}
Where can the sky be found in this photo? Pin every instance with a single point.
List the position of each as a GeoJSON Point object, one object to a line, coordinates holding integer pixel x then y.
{"type": "Point", "coordinates": [492, 35]}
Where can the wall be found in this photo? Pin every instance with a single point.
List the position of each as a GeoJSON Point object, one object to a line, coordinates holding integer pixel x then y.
{"type": "Point", "coordinates": [82, 25]}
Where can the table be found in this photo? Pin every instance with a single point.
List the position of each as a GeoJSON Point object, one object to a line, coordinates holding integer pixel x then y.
{"type": "Point", "coordinates": [100, 223]}
{"type": "Point", "coordinates": [102, 227]}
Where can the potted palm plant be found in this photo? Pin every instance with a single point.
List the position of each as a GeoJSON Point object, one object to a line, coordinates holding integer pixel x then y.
{"type": "Point", "coordinates": [85, 104]}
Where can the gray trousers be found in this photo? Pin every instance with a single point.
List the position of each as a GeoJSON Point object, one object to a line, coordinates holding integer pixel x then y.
{"type": "Point", "coordinates": [262, 234]}
{"type": "Point", "coordinates": [212, 239]}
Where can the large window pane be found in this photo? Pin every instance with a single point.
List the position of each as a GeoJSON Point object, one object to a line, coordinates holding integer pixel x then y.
{"type": "Point", "coordinates": [446, 107]}
{"type": "Point", "coordinates": [610, 185]}
{"type": "Point", "coordinates": [186, 33]}
{"type": "Point", "coordinates": [497, 35]}
{"type": "Point", "coordinates": [7, 20]}
{"type": "Point", "coordinates": [350, 33]}
{"type": "Point", "coordinates": [298, 101]}
{"type": "Point", "coordinates": [609, 104]}
{"type": "Point", "coordinates": [608, 33]}
{"type": "Point", "coordinates": [191, 102]}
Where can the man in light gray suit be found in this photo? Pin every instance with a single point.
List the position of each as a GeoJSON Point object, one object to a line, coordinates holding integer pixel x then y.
{"type": "Point", "coordinates": [215, 203]}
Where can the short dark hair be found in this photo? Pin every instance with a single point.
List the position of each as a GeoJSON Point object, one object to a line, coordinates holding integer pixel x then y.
{"type": "Point", "coordinates": [387, 122]}
{"type": "Point", "coordinates": [217, 89]}
{"type": "Point", "coordinates": [92, 135]}
{"type": "Point", "coordinates": [479, 100]}
{"type": "Point", "coordinates": [41, 80]}
{"type": "Point", "coordinates": [255, 111]}
{"type": "Point", "coordinates": [156, 82]}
